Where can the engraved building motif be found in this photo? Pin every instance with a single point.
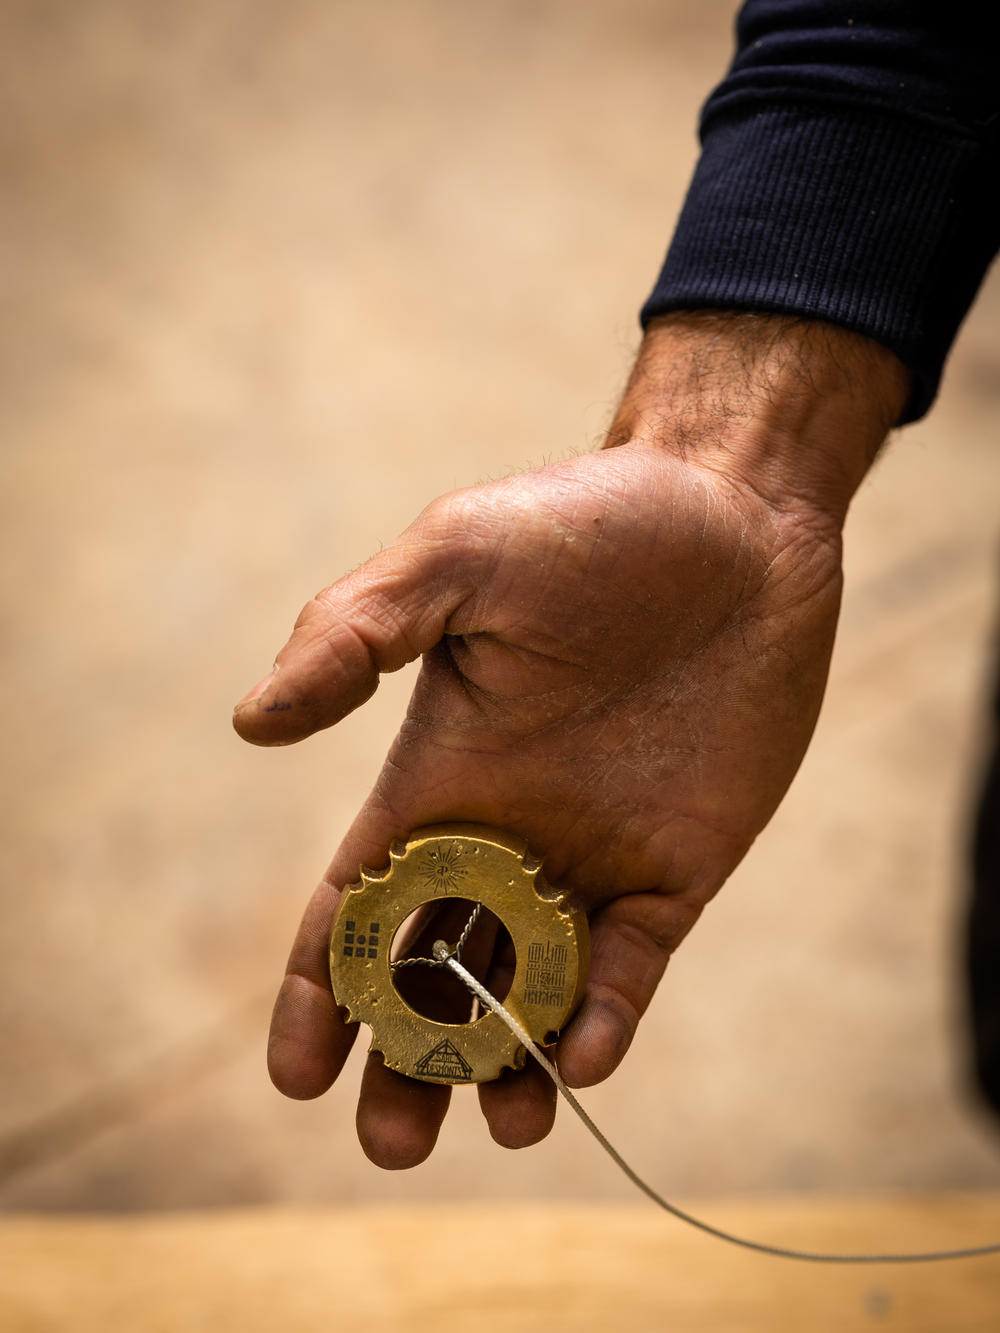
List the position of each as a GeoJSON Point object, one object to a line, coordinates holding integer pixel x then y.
{"type": "Point", "coordinates": [546, 979]}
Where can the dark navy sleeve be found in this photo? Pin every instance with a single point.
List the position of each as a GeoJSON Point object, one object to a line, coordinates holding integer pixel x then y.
{"type": "Point", "coordinates": [850, 172]}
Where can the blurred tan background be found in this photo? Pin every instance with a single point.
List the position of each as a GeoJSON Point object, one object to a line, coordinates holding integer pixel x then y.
{"type": "Point", "coordinates": [275, 275]}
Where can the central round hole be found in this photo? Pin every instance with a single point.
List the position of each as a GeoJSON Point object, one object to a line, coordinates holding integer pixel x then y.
{"type": "Point", "coordinates": [487, 951]}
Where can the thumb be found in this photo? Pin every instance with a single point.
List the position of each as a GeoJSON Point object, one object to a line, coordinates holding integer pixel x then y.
{"type": "Point", "coordinates": [381, 616]}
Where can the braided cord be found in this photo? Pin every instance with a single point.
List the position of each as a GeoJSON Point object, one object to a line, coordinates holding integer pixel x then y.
{"type": "Point", "coordinates": [444, 956]}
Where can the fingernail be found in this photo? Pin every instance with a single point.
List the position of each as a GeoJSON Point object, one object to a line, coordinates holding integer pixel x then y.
{"type": "Point", "coordinates": [257, 690]}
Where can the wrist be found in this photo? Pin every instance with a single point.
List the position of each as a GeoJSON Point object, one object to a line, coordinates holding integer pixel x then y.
{"type": "Point", "coordinates": [795, 409]}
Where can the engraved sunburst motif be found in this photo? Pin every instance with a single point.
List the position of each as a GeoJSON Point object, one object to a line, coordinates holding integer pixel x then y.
{"type": "Point", "coordinates": [440, 869]}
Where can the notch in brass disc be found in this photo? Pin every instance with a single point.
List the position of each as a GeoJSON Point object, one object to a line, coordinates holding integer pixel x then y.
{"type": "Point", "coordinates": [486, 866]}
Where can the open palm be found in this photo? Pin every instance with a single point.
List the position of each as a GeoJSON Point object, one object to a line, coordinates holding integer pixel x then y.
{"type": "Point", "coordinates": [623, 658]}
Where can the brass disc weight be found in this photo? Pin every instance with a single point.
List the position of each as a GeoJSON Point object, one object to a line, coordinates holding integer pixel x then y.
{"type": "Point", "coordinates": [484, 865]}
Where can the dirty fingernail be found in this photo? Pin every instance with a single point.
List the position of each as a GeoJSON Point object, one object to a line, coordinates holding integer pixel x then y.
{"type": "Point", "coordinates": [257, 690]}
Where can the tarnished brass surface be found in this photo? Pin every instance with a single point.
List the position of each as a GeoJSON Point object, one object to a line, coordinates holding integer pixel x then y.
{"type": "Point", "coordinates": [483, 865]}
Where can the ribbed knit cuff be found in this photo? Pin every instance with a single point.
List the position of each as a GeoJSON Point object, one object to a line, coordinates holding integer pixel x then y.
{"type": "Point", "coordinates": [879, 224]}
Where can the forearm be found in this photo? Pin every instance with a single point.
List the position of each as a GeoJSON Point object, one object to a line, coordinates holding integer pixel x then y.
{"type": "Point", "coordinates": [848, 176]}
{"type": "Point", "coordinates": [796, 409]}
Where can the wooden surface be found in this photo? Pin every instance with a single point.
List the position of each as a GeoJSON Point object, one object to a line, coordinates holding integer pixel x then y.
{"type": "Point", "coordinates": [480, 1268]}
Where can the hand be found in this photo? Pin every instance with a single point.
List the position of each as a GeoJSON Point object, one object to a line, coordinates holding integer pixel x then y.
{"type": "Point", "coordinates": [623, 660]}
